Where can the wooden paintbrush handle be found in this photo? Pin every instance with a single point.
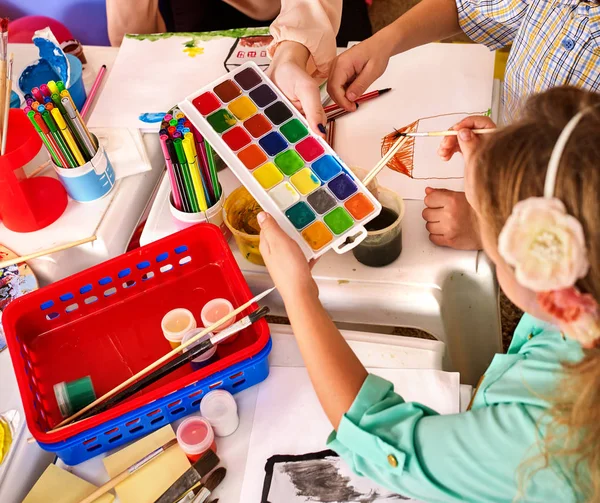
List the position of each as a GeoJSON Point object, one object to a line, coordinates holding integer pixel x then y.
{"type": "Point", "coordinates": [111, 484]}
{"type": "Point", "coordinates": [386, 158]}
{"type": "Point", "coordinates": [25, 258]}
{"type": "Point", "coordinates": [451, 132]}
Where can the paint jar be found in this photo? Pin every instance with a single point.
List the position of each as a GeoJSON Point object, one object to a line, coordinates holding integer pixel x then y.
{"type": "Point", "coordinates": [239, 211]}
{"type": "Point", "coordinates": [41, 72]}
{"type": "Point", "coordinates": [383, 243]}
{"type": "Point", "coordinates": [214, 310]}
{"type": "Point", "coordinates": [175, 324]}
{"type": "Point", "coordinates": [205, 358]}
{"type": "Point", "coordinates": [214, 215]}
{"type": "Point", "coordinates": [90, 182]}
{"type": "Point", "coordinates": [74, 395]}
{"type": "Point", "coordinates": [219, 407]}
{"type": "Point", "coordinates": [195, 436]}
{"type": "Point", "coordinates": [27, 204]}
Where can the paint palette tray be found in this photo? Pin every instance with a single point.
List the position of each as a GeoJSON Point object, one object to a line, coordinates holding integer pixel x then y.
{"type": "Point", "coordinates": [291, 172]}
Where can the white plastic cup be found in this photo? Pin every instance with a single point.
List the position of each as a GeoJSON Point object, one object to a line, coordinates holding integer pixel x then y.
{"type": "Point", "coordinates": [175, 324]}
{"type": "Point", "coordinates": [213, 215]}
{"type": "Point", "coordinates": [220, 409]}
{"type": "Point", "coordinates": [204, 359]}
{"type": "Point", "coordinates": [195, 436]}
{"type": "Point", "coordinates": [214, 310]}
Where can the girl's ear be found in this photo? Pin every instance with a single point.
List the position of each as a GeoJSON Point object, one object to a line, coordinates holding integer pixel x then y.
{"type": "Point", "coordinates": [576, 313]}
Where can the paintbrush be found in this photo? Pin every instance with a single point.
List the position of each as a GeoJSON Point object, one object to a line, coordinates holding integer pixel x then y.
{"type": "Point", "coordinates": [3, 75]}
{"type": "Point", "coordinates": [164, 358]}
{"type": "Point", "coordinates": [6, 105]}
{"type": "Point", "coordinates": [450, 132]}
{"type": "Point", "coordinates": [200, 492]}
{"type": "Point", "coordinates": [112, 483]}
{"type": "Point", "coordinates": [385, 159]}
{"type": "Point", "coordinates": [191, 478]}
{"type": "Point", "coordinates": [178, 362]}
{"type": "Point", "coordinates": [212, 482]}
{"type": "Point", "coordinates": [31, 256]}
{"type": "Point", "coordinates": [365, 97]}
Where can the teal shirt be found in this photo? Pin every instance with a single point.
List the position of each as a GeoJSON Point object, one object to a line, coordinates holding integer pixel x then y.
{"type": "Point", "coordinates": [474, 456]}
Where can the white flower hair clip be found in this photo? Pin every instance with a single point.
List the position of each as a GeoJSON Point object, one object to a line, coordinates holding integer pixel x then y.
{"type": "Point", "coordinates": [546, 247]}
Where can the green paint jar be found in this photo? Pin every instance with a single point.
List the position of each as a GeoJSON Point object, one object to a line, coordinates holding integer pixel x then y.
{"type": "Point", "coordinates": [74, 395]}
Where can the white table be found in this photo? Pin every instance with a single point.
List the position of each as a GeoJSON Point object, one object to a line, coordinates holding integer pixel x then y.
{"type": "Point", "coordinates": [113, 220]}
{"type": "Point", "coordinates": [450, 294]}
{"type": "Point", "coordinates": [374, 351]}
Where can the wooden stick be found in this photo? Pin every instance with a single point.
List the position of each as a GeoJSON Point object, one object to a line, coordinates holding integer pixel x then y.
{"type": "Point", "coordinates": [6, 109]}
{"type": "Point", "coordinates": [25, 258]}
{"type": "Point", "coordinates": [450, 132]}
{"type": "Point", "coordinates": [112, 483]}
{"type": "Point", "coordinates": [384, 160]}
{"type": "Point", "coordinates": [39, 169]}
{"type": "Point", "coordinates": [162, 359]}
{"type": "Point", "coordinates": [2, 96]}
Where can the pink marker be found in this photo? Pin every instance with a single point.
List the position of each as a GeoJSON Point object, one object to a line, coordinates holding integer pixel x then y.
{"type": "Point", "coordinates": [171, 171]}
{"type": "Point", "coordinates": [45, 90]}
{"type": "Point", "coordinates": [93, 91]}
{"type": "Point", "coordinates": [37, 94]}
{"type": "Point", "coordinates": [26, 109]}
{"type": "Point", "coordinates": [168, 117]}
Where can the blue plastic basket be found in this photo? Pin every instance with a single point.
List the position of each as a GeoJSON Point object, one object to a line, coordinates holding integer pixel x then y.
{"type": "Point", "coordinates": [155, 415]}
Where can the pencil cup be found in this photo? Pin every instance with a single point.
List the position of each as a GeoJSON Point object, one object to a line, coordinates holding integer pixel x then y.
{"type": "Point", "coordinates": [90, 182]}
{"type": "Point", "coordinates": [240, 212]}
{"type": "Point", "coordinates": [213, 215]}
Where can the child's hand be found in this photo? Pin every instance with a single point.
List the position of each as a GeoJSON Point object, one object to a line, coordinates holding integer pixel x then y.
{"type": "Point", "coordinates": [353, 71]}
{"type": "Point", "coordinates": [284, 260]}
{"type": "Point", "coordinates": [450, 220]}
{"type": "Point", "coordinates": [288, 71]}
{"type": "Point", "coordinates": [450, 145]}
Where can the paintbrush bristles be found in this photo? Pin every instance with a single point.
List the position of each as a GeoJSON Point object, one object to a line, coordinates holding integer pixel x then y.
{"type": "Point", "coordinates": [385, 159]}
{"type": "Point", "coordinates": [207, 462]}
{"type": "Point", "coordinates": [215, 478]}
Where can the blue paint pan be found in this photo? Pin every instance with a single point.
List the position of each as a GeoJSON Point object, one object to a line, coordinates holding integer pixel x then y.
{"type": "Point", "coordinates": [53, 64]}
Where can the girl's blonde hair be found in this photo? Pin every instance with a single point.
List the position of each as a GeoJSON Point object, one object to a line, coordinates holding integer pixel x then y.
{"type": "Point", "coordinates": [511, 167]}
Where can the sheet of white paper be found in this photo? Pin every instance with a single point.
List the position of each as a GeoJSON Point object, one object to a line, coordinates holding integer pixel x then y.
{"type": "Point", "coordinates": [126, 150]}
{"type": "Point", "coordinates": [289, 419]}
{"type": "Point", "coordinates": [428, 81]}
{"type": "Point", "coordinates": [153, 73]}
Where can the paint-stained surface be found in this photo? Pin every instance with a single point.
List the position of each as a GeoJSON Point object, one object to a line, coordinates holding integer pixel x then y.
{"type": "Point", "coordinates": [320, 477]}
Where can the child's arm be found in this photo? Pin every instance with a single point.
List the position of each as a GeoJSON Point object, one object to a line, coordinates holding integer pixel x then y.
{"type": "Point", "coordinates": [141, 16]}
{"type": "Point", "coordinates": [336, 373]}
{"type": "Point", "coordinates": [360, 66]}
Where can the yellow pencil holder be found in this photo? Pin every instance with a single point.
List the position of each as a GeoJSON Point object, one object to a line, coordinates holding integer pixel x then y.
{"type": "Point", "coordinates": [240, 210]}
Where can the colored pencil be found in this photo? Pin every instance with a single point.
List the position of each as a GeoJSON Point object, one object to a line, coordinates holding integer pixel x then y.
{"type": "Point", "coordinates": [364, 97]}
{"type": "Point", "coordinates": [93, 91]}
{"type": "Point", "coordinates": [72, 163]}
{"type": "Point", "coordinates": [192, 341]}
{"type": "Point", "coordinates": [43, 127]}
{"type": "Point", "coordinates": [179, 178]}
{"type": "Point", "coordinates": [192, 161]}
{"type": "Point", "coordinates": [331, 133]}
{"type": "Point", "coordinates": [213, 170]}
{"type": "Point", "coordinates": [44, 137]}
{"type": "Point", "coordinates": [187, 177]}
{"type": "Point", "coordinates": [170, 170]}
{"type": "Point", "coordinates": [79, 126]}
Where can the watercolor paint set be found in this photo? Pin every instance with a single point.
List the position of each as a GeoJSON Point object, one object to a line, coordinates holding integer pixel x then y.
{"type": "Point", "coordinates": [291, 172]}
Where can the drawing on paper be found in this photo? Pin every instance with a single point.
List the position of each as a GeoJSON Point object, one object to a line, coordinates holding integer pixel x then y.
{"type": "Point", "coordinates": [320, 477]}
{"type": "Point", "coordinates": [404, 160]}
{"type": "Point", "coordinates": [191, 48]}
{"type": "Point", "coordinates": [250, 48]}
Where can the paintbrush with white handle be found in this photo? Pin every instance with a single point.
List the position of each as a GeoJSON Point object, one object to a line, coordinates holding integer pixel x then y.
{"type": "Point", "coordinates": [450, 132]}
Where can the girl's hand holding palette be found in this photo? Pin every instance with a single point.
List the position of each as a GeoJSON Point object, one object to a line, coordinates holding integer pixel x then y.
{"type": "Point", "coordinates": [292, 173]}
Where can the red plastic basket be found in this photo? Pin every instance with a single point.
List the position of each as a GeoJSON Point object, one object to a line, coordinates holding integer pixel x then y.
{"type": "Point", "coordinates": [105, 322]}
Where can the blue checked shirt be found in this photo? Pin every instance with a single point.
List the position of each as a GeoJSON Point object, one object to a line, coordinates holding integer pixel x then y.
{"type": "Point", "coordinates": [553, 43]}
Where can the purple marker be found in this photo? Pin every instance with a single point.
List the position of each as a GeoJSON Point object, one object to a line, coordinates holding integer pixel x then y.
{"type": "Point", "coordinates": [176, 135]}
{"type": "Point", "coordinates": [29, 101]}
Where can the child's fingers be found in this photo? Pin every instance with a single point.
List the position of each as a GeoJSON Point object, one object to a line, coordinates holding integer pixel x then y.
{"type": "Point", "coordinates": [364, 79]}
{"type": "Point", "coordinates": [475, 122]}
{"type": "Point", "coordinates": [342, 72]}
{"type": "Point", "coordinates": [438, 198]}
{"type": "Point", "coordinates": [310, 99]}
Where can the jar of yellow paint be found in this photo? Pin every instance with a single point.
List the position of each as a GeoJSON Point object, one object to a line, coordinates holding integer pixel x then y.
{"type": "Point", "coordinates": [239, 212]}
